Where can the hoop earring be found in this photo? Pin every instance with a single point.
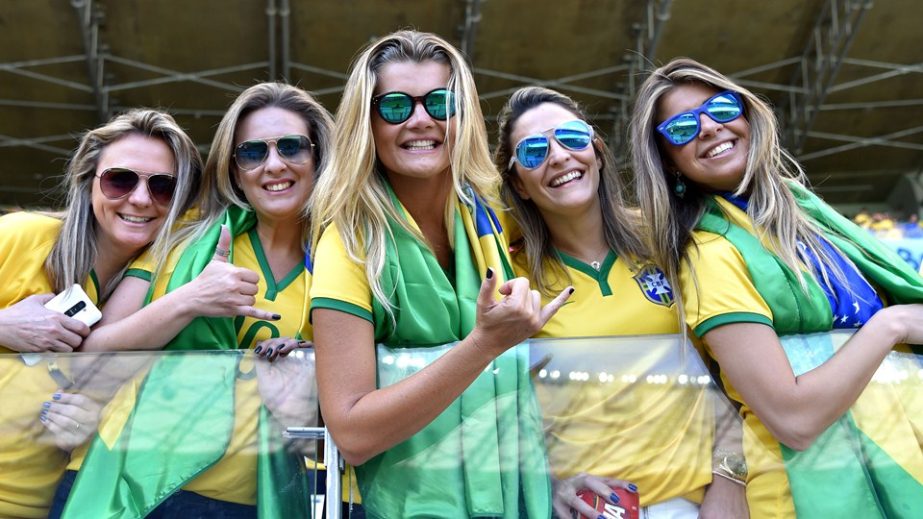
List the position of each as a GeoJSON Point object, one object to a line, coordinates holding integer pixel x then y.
{"type": "Point", "coordinates": [680, 187]}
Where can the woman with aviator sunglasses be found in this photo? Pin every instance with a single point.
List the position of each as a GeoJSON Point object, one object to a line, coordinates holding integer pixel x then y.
{"type": "Point", "coordinates": [412, 258]}
{"type": "Point", "coordinates": [564, 192]}
{"type": "Point", "coordinates": [127, 184]}
{"type": "Point", "coordinates": [240, 280]}
{"type": "Point", "coordinates": [761, 261]}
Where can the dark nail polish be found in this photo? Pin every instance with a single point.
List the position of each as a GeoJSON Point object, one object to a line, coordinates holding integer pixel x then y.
{"type": "Point", "coordinates": [570, 290]}
{"type": "Point", "coordinates": [633, 488]}
{"type": "Point", "coordinates": [257, 349]}
{"type": "Point", "coordinates": [56, 396]}
{"type": "Point", "coordinates": [614, 498]}
{"type": "Point", "coordinates": [46, 405]}
{"type": "Point", "coordinates": [490, 273]}
{"type": "Point", "coordinates": [269, 352]}
{"type": "Point", "coordinates": [601, 517]}
{"type": "Point", "coordinates": [276, 317]}
{"type": "Point", "coordinates": [43, 417]}
{"type": "Point", "coordinates": [302, 343]}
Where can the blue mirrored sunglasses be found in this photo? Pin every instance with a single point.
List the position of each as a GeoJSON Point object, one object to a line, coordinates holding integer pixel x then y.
{"type": "Point", "coordinates": [532, 151]}
{"type": "Point", "coordinates": [683, 127]}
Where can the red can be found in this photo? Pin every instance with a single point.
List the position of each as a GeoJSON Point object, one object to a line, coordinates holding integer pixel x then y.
{"type": "Point", "coordinates": [627, 507]}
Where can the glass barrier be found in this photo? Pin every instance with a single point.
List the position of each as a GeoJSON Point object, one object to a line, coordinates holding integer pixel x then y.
{"type": "Point", "coordinates": [120, 435]}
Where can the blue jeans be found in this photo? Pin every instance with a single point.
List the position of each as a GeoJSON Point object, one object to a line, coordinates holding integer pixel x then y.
{"type": "Point", "coordinates": [181, 504]}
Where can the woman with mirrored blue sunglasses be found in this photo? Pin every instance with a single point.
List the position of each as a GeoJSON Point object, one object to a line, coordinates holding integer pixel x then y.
{"type": "Point", "coordinates": [564, 191]}
{"type": "Point", "coordinates": [790, 298]}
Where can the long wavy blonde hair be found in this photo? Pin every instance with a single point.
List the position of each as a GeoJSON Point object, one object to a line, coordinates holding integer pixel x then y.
{"type": "Point", "coordinates": [354, 196]}
{"type": "Point", "coordinates": [219, 190]}
{"type": "Point", "coordinates": [74, 253]}
{"type": "Point", "coordinates": [620, 227]}
{"type": "Point", "coordinates": [671, 219]}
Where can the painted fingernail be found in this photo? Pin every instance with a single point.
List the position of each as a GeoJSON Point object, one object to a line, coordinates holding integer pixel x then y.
{"type": "Point", "coordinates": [46, 405]}
{"type": "Point", "coordinates": [257, 349]}
{"type": "Point", "coordinates": [43, 417]}
{"type": "Point", "coordinates": [269, 352]}
{"type": "Point", "coordinates": [56, 396]}
{"type": "Point", "coordinates": [570, 290]}
{"type": "Point", "coordinates": [632, 487]}
{"type": "Point", "coordinates": [303, 343]}
{"type": "Point", "coordinates": [490, 272]}
{"type": "Point", "coordinates": [601, 517]}
{"type": "Point", "coordinates": [614, 498]}
{"type": "Point", "coordinates": [276, 317]}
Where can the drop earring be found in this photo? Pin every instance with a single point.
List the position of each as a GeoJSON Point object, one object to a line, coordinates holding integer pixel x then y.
{"type": "Point", "coordinates": [680, 187]}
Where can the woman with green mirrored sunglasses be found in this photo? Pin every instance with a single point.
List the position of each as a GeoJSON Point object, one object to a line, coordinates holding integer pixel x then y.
{"type": "Point", "coordinates": [411, 259]}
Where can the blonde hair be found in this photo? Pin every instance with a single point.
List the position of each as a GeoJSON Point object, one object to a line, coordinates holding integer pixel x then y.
{"type": "Point", "coordinates": [354, 197]}
{"type": "Point", "coordinates": [619, 225]}
{"type": "Point", "coordinates": [772, 208]}
{"type": "Point", "coordinates": [219, 190]}
{"type": "Point", "coordinates": [75, 251]}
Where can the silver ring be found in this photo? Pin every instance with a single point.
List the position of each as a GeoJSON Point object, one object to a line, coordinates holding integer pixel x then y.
{"type": "Point", "coordinates": [223, 253]}
{"type": "Point", "coordinates": [76, 429]}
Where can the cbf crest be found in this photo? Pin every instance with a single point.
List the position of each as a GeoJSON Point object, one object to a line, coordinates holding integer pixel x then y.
{"type": "Point", "coordinates": [654, 285]}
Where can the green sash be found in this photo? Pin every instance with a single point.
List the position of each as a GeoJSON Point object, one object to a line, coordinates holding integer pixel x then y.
{"type": "Point", "coordinates": [482, 456]}
{"type": "Point", "coordinates": [865, 480]}
{"type": "Point", "coordinates": [160, 449]}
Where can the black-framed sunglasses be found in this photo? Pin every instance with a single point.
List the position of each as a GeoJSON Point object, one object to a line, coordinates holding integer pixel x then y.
{"type": "Point", "coordinates": [294, 149]}
{"type": "Point", "coordinates": [117, 183]}
{"type": "Point", "coordinates": [396, 107]}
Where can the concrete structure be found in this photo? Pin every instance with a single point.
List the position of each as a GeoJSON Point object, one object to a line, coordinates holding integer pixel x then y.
{"type": "Point", "coordinates": [845, 75]}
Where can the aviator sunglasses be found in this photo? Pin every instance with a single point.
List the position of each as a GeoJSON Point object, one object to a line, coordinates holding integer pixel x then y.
{"type": "Point", "coordinates": [116, 183]}
{"type": "Point", "coordinates": [396, 107]}
{"type": "Point", "coordinates": [532, 151]}
{"type": "Point", "coordinates": [683, 127]}
{"type": "Point", "coordinates": [294, 149]}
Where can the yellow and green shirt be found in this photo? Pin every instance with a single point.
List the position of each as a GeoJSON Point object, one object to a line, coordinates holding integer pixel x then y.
{"type": "Point", "coordinates": [30, 463]}
{"type": "Point", "coordinates": [622, 429]}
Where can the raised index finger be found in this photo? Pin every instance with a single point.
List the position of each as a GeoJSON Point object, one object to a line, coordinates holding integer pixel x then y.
{"type": "Point", "coordinates": [552, 307]}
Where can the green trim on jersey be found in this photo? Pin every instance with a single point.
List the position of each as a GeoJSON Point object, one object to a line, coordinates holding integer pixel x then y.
{"type": "Point", "coordinates": [273, 287]}
{"type": "Point", "coordinates": [729, 318]}
{"type": "Point", "coordinates": [138, 273]}
{"type": "Point", "coordinates": [601, 276]}
{"type": "Point", "coordinates": [341, 306]}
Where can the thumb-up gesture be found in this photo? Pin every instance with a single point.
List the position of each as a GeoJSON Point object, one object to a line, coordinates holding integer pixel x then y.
{"type": "Point", "coordinates": [223, 290]}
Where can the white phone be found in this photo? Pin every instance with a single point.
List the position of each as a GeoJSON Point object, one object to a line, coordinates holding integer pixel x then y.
{"type": "Point", "coordinates": [74, 302]}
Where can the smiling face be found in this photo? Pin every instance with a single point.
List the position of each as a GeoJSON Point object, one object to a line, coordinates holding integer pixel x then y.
{"type": "Point", "coordinates": [418, 147]}
{"type": "Point", "coordinates": [567, 182]}
{"type": "Point", "coordinates": [277, 189]}
{"type": "Point", "coordinates": [128, 224]}
{"type": "Point", "coordinates": [715, 159]}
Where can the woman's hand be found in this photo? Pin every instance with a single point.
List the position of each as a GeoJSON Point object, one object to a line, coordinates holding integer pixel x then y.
{"type": "Point", "coordinates": [224, 290]}
{"type": "Point", "coordinates": [71, 418]}
{"type": "Point", "coordinates": [28, 326]}
{"type": "Point", "coordinates": [286, 384]}
{"type": "Point", "coordinates": [724, 499]}
{"type": "Point", "coordinates": [905, 321]}
{"type": "Point", "coordinates": [565, 494]}
{"type": "Point", "coordinates": [516, 317]}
